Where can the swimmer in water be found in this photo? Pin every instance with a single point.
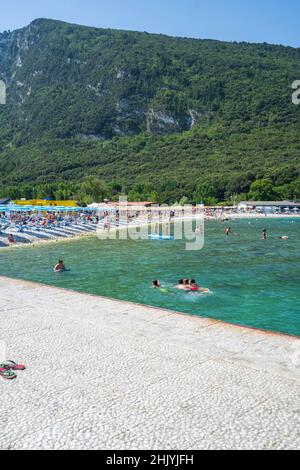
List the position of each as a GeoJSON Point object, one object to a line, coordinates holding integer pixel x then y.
{"type": "Point", "coordinates": [284, 238]}
{"type": "Point", "coordinates": [182, 284]}
{"type": "Point", "coordinates": [187, 284]}
{"type": "Point", "coordinates": [264, 236]}
{"type": "Point", "coordinates": [193, 285]}
{"type": "Point", "coordinates": [156, 284]}
{"type": "Point", "coordinates": [60, 267]}
{"type": "Point", "coordinates": [228, 231]}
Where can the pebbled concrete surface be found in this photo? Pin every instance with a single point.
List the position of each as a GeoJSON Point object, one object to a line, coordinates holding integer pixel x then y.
{"type": "Point", "coordinates": [104, 374]}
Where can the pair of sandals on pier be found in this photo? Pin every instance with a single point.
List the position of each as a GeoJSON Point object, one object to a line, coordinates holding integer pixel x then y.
{"type": "Point", "coordinates": [8, 370]}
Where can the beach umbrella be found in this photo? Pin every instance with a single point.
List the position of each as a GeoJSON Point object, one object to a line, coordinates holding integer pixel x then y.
{"type": "Point", "coordinates": [30, 208]}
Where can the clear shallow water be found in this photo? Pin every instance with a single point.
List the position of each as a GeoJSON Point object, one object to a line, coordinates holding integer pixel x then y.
{"type": "Point", "coordinates": [253, 283]}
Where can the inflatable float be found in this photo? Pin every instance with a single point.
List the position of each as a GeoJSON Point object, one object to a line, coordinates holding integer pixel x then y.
{"type": "Point", "coordinates": [160, 237]}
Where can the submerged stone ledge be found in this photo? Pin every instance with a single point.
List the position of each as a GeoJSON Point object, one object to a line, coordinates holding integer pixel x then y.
{"type": "Point", "coordinates": [105, 374]}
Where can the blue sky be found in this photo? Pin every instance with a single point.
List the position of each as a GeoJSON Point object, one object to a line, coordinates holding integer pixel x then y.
{"type": "Point", "coordinates": [273, 21]}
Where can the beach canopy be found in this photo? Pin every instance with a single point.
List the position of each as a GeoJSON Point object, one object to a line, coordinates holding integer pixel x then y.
{"type": "Point", "coordinates": [60, 209]}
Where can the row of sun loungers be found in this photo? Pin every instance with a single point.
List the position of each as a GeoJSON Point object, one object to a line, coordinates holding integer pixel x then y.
{"type": "Point", "coordinates": [34, 231]}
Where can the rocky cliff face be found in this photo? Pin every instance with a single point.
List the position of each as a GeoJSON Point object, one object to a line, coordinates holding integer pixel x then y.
{"type": "Point", "coordinates": [67, 80]}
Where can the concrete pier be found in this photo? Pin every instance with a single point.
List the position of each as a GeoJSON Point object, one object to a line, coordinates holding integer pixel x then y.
{"type": "Point", "coordinates": [104, 374]}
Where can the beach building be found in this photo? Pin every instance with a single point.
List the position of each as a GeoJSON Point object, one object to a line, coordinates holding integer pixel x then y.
{"type": "Point", "coordinates": [45, 203]}
{"type": "Point", "coordinates": [121, 206]}
{"type": "Point", "coordinates": [131, 205]}
{"type": "Point", "coordinates": [270, 207]}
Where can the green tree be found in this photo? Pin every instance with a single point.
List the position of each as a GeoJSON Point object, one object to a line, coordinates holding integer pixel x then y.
{"type": "Point", "coordinates": [184, 201]}
{"type": "Point", "coordinates": [205, 192]}
{"type": "Point", "coordinates": [262, 190]}
{"type": "Point", "coordinates": [93, 189]}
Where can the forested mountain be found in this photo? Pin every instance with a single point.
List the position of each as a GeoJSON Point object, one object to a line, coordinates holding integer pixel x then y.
{"type": "Point", "coordinates": [158, 116]}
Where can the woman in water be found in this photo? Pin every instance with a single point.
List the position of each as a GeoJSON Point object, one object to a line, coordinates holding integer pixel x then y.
{"type": "Point", "coordinates": [60, 267]}
{"type": "Point", "coordinates": [194, 287]}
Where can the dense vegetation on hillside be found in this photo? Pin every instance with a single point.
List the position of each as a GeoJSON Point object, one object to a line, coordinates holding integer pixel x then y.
{"type": "Point", "coordinates": [96, 113]}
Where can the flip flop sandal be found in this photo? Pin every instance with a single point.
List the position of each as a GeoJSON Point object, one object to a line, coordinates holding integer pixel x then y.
{"type": "Point", "coordinates": [14, 366]}
{"type": "Point", "coordinates": [7, 374]}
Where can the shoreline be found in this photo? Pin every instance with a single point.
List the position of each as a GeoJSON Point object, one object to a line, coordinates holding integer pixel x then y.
{"type": "Point", "coordinates": [39, 243]}
{"type": "Point", "coordinates": [262, 216]}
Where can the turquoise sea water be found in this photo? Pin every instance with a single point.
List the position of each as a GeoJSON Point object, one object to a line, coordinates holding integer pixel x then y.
{"type": "Point", "coordinates": [252, 282]}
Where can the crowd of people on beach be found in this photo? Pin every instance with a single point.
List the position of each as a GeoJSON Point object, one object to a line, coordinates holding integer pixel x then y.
{"type": "Point", "coordinates": [40, 219]}
{"type": "Point", "coordinates": [33, 223]}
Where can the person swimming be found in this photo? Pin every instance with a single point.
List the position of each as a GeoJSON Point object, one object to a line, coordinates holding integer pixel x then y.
{"type": "Point", "coordinates": [228, 231]}
{"type": "Point", "coordinates": [60, 267]}
{"type": "Point", "coordinates": [157, 285]}
{"type": "Point", "coordinates": [264, 236]}
{"type": "Point", "coordinates": [193, 285]}
{"type": "Point", "coordinates": [183, 284]}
